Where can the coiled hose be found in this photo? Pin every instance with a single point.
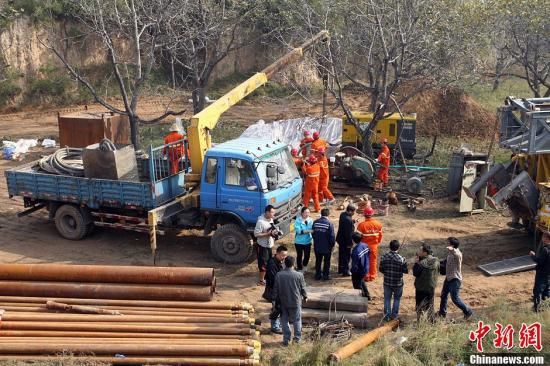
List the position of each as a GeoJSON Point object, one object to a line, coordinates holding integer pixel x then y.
{"type": "Point", "coordinates": [68, 160]}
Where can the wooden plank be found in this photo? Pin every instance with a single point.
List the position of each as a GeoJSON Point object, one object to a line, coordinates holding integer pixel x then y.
{"type": "Point", "coordinates": [341, 300]}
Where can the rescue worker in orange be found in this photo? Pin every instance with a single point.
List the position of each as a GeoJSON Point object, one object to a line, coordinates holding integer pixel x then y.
{"type": "Point", "coordinates": [305, 143]}
{"type": "Point", "coordinates": [312, 172]}
{"type": "Point", "coordinates": [317, 143]}
{"type": "Point", "coordinates": [174, 152]}
{"type": "Point", "coordinates": [384, 160]}
{"type": "Point", "coordinates": [324, 192]}
{"type": "Point", "coordinates": [371, 232]}
{"type": "Point", "coordinates": [297, 159]}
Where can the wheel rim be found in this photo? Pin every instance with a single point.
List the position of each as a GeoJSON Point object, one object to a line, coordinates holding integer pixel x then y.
{"type": "Point", "coordinates": [230, 245]}
{"type": "Point", "coordinates": [69, 223]}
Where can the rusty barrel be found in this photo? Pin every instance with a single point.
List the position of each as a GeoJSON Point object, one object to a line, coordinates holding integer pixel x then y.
{"type": "Point", "coordinates": [107, 274]}
{"type": "Point", "coordinates": [107, 290]}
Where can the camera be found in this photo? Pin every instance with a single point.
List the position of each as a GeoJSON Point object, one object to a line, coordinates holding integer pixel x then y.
{"type": "Point", "coordinates": [276, 232]}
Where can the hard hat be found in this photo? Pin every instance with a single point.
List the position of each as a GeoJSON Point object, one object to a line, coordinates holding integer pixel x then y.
{"type": "Point", "coordinates": [368, 212]}
{"type": "Point", "coordinates": [312, 159]}
{"type": "Point", "coordinates": [294, 152]}
{"type": "Point", "coordinates": [384, 140]}
{"type": "Point", "coordinates": [321, 150]}
{"type": "Point", "coordinates": [315, 135]}
{"type": "Point", "coordinates": [306, 133]}
{"type": "Point", "coordinates": [174, 127]}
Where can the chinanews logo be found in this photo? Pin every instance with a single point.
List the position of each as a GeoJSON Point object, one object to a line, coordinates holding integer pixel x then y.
{"type": "Point", "coordinates": [505, 340]}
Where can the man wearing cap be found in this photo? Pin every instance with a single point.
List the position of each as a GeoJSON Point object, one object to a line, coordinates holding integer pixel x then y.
{"type": "Point", "coordinates": [305, 143]}
{"type": "Point", "coordinates": [324, 192]}
{"type": "Point", "coordinates": [312, 172]}
{"type": "Point", "coordinates": [175, 152]}
{"type": "Point", "coordinates": [384, 161]}
{"type": "Point", "coordinates": [317, 143]}
{"type": "Point", "coordinates": [371, 231]}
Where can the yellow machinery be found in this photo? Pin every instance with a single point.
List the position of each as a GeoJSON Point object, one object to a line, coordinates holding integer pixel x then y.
{"type": "Point", "coordinates": [392, 127]}
{"type": "Point", "coordinates": [206, 120]}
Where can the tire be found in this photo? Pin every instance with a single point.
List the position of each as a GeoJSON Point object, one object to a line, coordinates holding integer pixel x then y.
{"type": "Point", "coordinates": [71, 222]}
{"type": "Point", "coordinates": [231, 244]}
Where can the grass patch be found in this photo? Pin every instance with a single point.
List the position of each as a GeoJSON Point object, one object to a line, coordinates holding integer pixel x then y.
{"type": "Point", "coordinates": [483, 92]}
{"type": "Point", "coordinates": [439, 344]}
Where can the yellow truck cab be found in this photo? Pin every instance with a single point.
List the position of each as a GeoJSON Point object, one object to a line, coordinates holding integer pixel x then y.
{"type": "Point", "coordinates": [392, 127]}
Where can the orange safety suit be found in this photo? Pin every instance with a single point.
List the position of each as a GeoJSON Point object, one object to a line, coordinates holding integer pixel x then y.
{"type": "Point", "coordinates": [304, 145]}
{"type": "Point", "coordinates": [371, 231]}
{"type": "Point", "coordinates": [175, 152]}
{"type": "Point", "coordinates": [316, 145]}
{"type": "Point", "coordinates": [384, 160]}
{"type": "Point", "coordinates": [299, 162]}
{"type": "Point", "coordinates": [312, 172]}
{"type": "Point", "coordinates": [324, 179]}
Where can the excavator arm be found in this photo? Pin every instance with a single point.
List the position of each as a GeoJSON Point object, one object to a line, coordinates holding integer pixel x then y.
{"type": "Point", "coordinates": [206, 120]}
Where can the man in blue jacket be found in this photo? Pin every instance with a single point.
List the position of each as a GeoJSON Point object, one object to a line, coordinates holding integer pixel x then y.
{"type": "Point", "coordinates": [360, 264]}
{"type": "Point", "coordinates": [323, 243]}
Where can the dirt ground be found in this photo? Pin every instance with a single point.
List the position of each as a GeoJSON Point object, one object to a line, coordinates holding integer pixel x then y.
{"type": "Point", "coordinates": [485, 236]}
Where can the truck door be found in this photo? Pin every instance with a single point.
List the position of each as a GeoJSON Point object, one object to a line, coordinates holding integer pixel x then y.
{"type": "Point", "coordinates": [239, 189]}
{"type": "Point", "coordinates": [209, 191]}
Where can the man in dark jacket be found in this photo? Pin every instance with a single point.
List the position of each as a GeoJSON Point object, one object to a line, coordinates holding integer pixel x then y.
{"type": "Point", "coordinates": [346, 227]}
{"type": "Point", "coordinates": [290, 291]}
{"type": "Point", "coordinates": [360, 264]}
{"type": "Point", "coordinates": [541, 289]}
{"type": "Point", "coordinates": [323, 243]}
{"type": "Point", "coordinates": [426, 270]}
{"type": "Point", "coordinates": [274, 265]}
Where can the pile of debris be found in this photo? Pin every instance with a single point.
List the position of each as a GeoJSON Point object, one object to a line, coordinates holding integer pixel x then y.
{"type": "Point", "coordinates": [122, 315]}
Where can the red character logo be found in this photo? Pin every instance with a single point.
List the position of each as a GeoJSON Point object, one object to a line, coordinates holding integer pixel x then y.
{"type": "Point", "coordinates": [478, 335]}
{"type": "Point", "coordinates": [531, 336]}
{"type": "Point", "coordinates": [504, 336]}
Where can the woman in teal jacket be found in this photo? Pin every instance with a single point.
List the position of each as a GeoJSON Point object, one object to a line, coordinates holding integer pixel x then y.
{"type": "Point", "coordinates": [303, 227]}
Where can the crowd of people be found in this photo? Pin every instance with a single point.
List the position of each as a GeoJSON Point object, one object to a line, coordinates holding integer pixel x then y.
{"type": "Point", "coordinates": [358, 242]}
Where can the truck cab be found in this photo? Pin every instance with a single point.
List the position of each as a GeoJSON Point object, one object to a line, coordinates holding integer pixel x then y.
{"type": "Point", "coordinates": [239, 179]}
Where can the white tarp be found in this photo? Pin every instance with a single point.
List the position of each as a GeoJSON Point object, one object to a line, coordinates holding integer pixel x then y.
{"type": "Point", "coordinates": [291, 131]}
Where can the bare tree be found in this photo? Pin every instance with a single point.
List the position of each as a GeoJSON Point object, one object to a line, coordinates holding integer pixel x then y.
{"type": "Point", "coordinates": [130, 31]}
{"type": "Point", "coordinates": [206, 33]}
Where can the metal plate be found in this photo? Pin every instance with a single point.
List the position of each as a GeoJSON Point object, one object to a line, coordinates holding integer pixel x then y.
{"type": "Point", "coordinates": [511, 265]}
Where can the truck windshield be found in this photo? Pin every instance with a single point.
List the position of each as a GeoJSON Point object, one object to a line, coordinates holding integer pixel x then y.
{"type": "Point", "coordinates": [283, 159]}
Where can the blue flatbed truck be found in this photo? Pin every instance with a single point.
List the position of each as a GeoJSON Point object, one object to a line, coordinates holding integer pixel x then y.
{"type": "Point", "coordinates": [222, 189]}
{"type": "Point", "coordinates": [239, 179]}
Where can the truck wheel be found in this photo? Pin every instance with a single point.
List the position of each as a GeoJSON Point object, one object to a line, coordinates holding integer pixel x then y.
{"type": "Point", "coordinates": [70, 222]}
{"type": "Point", "coordinates": [231, 244]}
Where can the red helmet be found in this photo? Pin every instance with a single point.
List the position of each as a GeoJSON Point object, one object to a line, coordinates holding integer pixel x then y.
{"type": "Point", "coordinates": [306, 133]}
{"type": "Point", "coordinates": [321, 150]}
{"type": "Point", "coordinates": [368, 212]}
{"type": "Point", "coordinates": [312, 159]}
{"type": "Point", "coordinates": [315, 135]}
{"type": "Point", "coordinates": [294, 152]}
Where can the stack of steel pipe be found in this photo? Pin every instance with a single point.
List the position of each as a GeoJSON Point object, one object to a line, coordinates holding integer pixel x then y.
{"type": "Point", "coordinates": [122, 315]}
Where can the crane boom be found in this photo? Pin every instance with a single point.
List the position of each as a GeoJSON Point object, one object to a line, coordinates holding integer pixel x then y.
{"type": "Point", "coordinates": [206, 120]}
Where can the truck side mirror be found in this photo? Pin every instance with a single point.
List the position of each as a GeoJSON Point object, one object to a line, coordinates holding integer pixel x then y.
{"type": "Point", "coordinates": [280, 170]}
{"type": "Point", "coordinates": [271, 171]}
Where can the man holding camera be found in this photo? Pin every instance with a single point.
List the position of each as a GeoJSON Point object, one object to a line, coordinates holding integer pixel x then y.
{"type": "Point", "coordinates": [265, 233]}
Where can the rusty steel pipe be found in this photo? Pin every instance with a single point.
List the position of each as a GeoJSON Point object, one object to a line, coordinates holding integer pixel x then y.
{"type": "Point", "coordinates": [35, 307]}
{"type": "Point", "coordinates": [44, 310]}
{"type": "Point", "coordinates": [107, 290]}
{"type": "Point", "coordinates": [107, 334]}
{"type": "Point", "coordinates": [82, 340]}
{"type": "Point", "coordinates": [130, 349]}
{"type": "Point", "coordinates": [133, 303]}
{"type": "Point", "coordinates": [81, 309]}
{"type": "Point", "coordinates": [113, 327]}
{"type": "Point", "coordinates": [141, 360]}
{"type": "Point", "coordinates": [57, 317]}
{"type": "Point", "coordinates": [107, 274]}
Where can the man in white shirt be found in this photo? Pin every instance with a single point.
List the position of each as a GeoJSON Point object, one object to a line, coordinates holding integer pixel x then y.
{"type": "Point", "coordinates": [265, 240]}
